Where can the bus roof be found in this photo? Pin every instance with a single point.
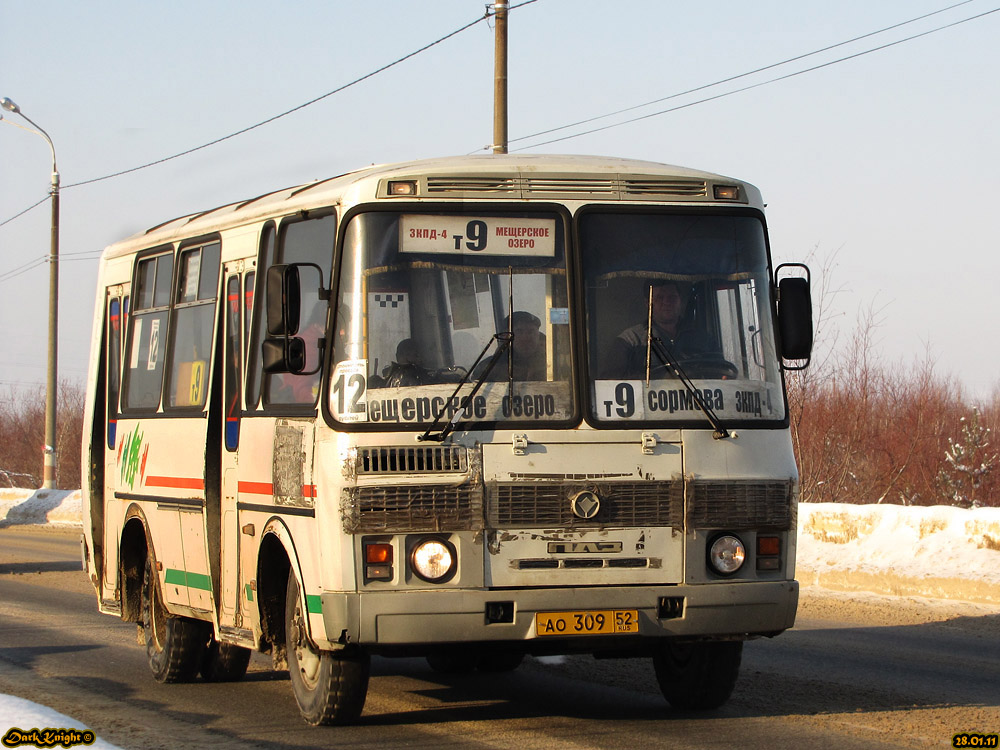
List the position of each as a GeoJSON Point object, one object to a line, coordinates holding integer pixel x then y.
{"type": "Point", "coordinates": [472, 178]}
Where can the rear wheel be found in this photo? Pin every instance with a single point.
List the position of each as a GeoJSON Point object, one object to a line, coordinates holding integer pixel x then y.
{"type": "Point", "coordinates": [698, 676]}
{"type": "Point", "coordinates": [174, 645]}
{"type": "Point", "coordinates": [224, 662]}
{"type": "Point", "coordinates": [330, 687]}
{"type": "Point", "coordinates": [456, 660]}
{"type": "Point", "coordinates": [500, 661]}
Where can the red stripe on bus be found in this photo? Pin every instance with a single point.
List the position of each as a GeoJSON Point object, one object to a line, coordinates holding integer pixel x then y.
{"type": "Point", "coordinates": [256, 488]}
{"type": "Point", "coordinates": [182, 483]}
{"type": "Point", "coordinates": [263, 488]}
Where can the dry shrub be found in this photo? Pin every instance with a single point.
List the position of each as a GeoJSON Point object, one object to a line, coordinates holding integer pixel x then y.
{"type": "Point", "coordinates": [22, 424]}
{"type": "Point", "coordinates": [869, 432]}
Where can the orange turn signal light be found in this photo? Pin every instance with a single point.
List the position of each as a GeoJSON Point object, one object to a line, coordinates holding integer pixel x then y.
{"type": "Point", "coordinates": [378, 553]}
{"type": "Point", "coordinates": [768, 546]}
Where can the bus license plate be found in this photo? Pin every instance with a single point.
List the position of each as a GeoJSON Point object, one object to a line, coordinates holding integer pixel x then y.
{"type": "Point", "coordinates": [587, 622]}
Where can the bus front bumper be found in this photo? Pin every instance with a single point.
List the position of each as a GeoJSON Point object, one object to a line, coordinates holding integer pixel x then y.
{"type": "Point", "coordinates": [391, 619]}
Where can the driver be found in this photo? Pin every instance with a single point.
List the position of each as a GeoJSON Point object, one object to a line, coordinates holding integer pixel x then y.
{"type": "Point", "coordinates": [627, 355]}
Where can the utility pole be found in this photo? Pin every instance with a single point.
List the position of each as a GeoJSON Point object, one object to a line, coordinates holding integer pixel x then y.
{"type": "Point", "coordinates": [500, 78]}
{"type": "Point", "coordinates": [51, 382]}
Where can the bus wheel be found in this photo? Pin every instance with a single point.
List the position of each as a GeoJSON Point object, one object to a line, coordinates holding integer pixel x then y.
{"type": "Point", "coordinates": [500, 661]}
{"type": "Point", "coordinates": [329, 686]}
{"type": "Point", "coordinates": [456, 660]}
{"type": "Point", "coordinates": [174, 645]}
{"type": "Point", "coordinates": [698, 676]}
{"type": "Point", "coordinates": [224, 662]}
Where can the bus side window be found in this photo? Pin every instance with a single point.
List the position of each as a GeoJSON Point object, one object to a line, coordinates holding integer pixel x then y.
{"type": "Point", "coordinates": [306, 241]}
{"type": "Point", "coordinates": [256, 332]}
{"type": "Point", "coordinates": [148, 332]}
{"type": "Point", "coordinates": [113, 359]}
{"type": "Point", "coordinates": [233, 366]}
{"type": "Point", "coordinates": [192, 325]}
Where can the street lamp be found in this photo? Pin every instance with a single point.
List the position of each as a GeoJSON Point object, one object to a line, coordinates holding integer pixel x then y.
{"type": "Point", "coordinates": [49, 450]}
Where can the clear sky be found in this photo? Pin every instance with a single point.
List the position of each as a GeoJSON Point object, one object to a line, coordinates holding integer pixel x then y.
{"type": "Point", "coordinates": [886, 163]}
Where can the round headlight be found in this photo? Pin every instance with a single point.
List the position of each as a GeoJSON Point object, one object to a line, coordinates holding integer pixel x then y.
{"type": "Point", "coordinates": [433, 560]}
{"type": "Point", "coordinates": [726, 555]}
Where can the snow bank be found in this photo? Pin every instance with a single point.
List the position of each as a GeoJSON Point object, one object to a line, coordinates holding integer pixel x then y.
{"type": "Point", "coordinates": [34, 507]}
{"type": "Point", "coordinates": [17, 713]}
{"type": "Point", "coordinates": [940, 551]}
{"type": "Point", "coordinates": [936, 551]}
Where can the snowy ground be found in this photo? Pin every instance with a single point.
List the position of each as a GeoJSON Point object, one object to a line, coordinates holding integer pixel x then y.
{"type": "Point", "coordinates": [19, 717]}
{"type": "Point", "coordinates": [938, 552]}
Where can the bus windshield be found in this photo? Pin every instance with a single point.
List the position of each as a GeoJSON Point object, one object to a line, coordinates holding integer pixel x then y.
{"type": "Point", "coordinates": [427, 299]}
{"type": "Point", "coordinates": [665, 289]}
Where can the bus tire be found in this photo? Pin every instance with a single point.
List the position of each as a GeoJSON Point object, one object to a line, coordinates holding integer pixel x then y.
{"type": "Point", "coordinates": [698, 676]}
{"type": "Point", "coordinates": [500, 661]}
{"type": "Point", "coordinates": [225, 662]}
{"type": "Point", "coordinates": [456, 660]}
{"type": "Point", "coordinates": [330, 687]}
{"type": "Point", "coordinates": [174, 645]}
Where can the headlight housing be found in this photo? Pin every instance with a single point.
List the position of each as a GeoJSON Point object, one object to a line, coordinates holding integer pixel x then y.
{"type": "Point", "coordinates": [726, 554]}
{"type": "Point", "coordinates": [434, 560]}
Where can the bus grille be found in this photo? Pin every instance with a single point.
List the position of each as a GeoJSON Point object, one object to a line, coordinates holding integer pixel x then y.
{"type": "Point", "coordinates": [581, 186]}
{"type": "Point", "coordinates": [431, 459]}
{"type": "Point", "coordinates": [413, 507]}
{"type": "Point", "coordinates": [538, 504]}
{"type": "Point", "coordinates": [736, 504]}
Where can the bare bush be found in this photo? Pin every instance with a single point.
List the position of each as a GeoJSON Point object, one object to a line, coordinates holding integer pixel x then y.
{"type": "Point", "coordinates": [22, 424]}
{"type": "Point", "coordinates": [867, 431]}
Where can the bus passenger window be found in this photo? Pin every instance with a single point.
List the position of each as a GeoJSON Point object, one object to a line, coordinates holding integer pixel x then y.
{"type": "Point", "coordinates": [148, 332]}
{"type": "Point", "coordinates": [191, 332]}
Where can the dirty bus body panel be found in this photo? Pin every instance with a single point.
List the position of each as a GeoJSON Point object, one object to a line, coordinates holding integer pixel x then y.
{"type": "Point", "coordinates": [468, 408]}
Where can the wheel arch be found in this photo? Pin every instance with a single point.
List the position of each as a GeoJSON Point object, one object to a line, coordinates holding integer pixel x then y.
{"type": "Point", "coordinates": [276, 555]}
{"type": "Point", "coordinates": [135, 546]}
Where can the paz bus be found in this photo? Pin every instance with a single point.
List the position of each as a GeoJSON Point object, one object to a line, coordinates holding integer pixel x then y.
{"type": "Point", "coordinates": [469, 409]}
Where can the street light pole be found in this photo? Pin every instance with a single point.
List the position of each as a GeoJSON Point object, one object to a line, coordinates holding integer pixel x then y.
{"type": "Point", "coordinates": [49, 449]}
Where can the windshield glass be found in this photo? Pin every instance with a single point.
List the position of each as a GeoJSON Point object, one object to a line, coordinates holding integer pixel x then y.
{"type": "Point", "coordinates": [422, 295]}
{"type": "Point", "coordinates": [689, 288]}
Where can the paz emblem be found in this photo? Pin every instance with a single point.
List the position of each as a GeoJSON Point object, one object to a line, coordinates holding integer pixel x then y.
{"type": "Point", "coordinates": [585, 504]}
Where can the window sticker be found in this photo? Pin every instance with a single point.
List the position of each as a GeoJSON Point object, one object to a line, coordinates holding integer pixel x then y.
{"type": "Point", "coordinates": [348, 391]}
{"type": "Point", "coordinates": [154, 344]}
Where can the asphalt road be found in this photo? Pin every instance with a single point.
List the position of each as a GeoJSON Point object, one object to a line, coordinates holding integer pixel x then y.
{"type": "Point", "coordinates": [855, 672]}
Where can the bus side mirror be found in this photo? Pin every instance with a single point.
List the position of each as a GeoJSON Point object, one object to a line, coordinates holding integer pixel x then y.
{"type": "Point", "coordinates": [795, 323]}
{"type": "Point", "coordinates": [287, 354]}
{"type": "Point", "coordinates": [284, 300]}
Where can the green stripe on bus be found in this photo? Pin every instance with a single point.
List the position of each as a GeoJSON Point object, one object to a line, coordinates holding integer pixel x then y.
{"type": "Point", "coordinates": [249, 593]}
{"type": "Point", "coordinates": [314, 605]}
{"type": "Point", "coordinates": [190, 580]}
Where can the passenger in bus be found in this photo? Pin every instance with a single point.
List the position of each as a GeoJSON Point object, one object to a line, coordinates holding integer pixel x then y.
{"type": "Point", "coordinates": [408, 370]}
{"type": "Point", "coordinates": [303, 389]}
{"type": "Point", "coordinates": [627, 355]}
{"type": "Point", "coordinates": [527, 350]}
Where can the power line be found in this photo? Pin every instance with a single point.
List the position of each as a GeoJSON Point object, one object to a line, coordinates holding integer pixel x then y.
{"type": "Point", "coordinates": [22, 269]}
{"type": "Point", "coordinates": [741, 75]}
{"type": "Point", "coordinates": [22, 213]}
{"type": "Point", "coordinates": [293, 109]}
{"type": "Point", "coordinates": [275, 117]}
{"type": "Point", "coordinates": [755, 85]}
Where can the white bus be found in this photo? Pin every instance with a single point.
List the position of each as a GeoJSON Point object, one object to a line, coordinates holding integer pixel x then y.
{"type": "Point", "coordinates": [467, 408]}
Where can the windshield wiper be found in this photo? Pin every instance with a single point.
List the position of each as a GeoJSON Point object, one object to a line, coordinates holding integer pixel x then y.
{"type": "Point", "coordinates": [655, 344]}
{"type": "Point", "coordinates": [503, 340]}
{"type": "Point", "coordinates": [670, 362]}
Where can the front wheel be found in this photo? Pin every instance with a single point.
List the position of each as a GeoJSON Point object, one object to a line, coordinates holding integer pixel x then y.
{"type": "Point", "coordinates": [698, 676]}
{"type": "Point", "coordinates": [330, 687]}
{"type": "Point", "coordinates": [174, 645]}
